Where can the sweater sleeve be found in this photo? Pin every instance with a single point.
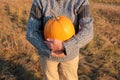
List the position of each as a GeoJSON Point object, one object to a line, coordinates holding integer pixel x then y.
{"type": "Point", "coordinates": [85, 32]}
{"type": "Point", "coordinates": [34, 29]}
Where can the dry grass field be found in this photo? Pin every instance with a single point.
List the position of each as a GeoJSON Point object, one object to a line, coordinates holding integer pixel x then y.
{"type": "Point", "coordinates": [20, 61]}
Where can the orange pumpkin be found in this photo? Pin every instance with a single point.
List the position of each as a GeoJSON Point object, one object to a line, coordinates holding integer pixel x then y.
{"type": "Point", "coordinates": [60, 28]}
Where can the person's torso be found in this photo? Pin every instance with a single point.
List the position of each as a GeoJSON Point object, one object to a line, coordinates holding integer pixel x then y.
{"type": "Point", "coordinates": [61, 8]}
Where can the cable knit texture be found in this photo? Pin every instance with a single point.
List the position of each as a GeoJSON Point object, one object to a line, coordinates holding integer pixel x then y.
{"type": "Point", "coordinates": [79, 13]}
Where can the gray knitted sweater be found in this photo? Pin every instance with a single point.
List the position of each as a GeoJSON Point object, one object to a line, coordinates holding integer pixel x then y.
{"type": "Point", "coordinates": [79, 13]}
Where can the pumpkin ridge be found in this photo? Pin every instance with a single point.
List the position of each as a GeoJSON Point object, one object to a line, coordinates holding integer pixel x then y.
{"type": "Point", "coordinates": [47, 29]}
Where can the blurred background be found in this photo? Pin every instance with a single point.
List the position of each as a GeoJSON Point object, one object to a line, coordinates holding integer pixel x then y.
{"type": "Point", "coordinates": [19, 60]}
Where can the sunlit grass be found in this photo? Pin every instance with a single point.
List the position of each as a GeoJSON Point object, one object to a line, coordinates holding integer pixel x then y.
{"type": "Point", "coordinates": [108, 1]}
{"type": "Point", "coordinates": [19, 60]}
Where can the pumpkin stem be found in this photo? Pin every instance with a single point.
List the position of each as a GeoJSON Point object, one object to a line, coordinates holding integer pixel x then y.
{"type": "Point", "coordinates": [54, 14]}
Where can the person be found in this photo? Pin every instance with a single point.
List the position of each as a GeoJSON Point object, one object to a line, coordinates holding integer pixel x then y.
{"type": "Point", "coordinates": [60, 59]}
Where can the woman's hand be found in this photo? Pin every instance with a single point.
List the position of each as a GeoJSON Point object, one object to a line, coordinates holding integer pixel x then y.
{"type": "Point", "coordinates": [56, 47]}
{"type": "Point", "coordinates": [54, 44]}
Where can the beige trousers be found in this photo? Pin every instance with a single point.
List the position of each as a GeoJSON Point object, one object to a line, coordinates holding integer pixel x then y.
{"type": "Point", "coordinates": [60, 70]}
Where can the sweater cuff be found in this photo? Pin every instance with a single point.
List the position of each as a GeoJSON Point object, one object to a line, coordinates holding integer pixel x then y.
{"type": "Point", "coordinates": [70, 46]}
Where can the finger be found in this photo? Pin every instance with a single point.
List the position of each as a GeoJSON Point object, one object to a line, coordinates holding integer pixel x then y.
{"type": "Point", "coordinates": [48, 46]}
{"type": "Point", "coordinates": [48, 42]}
{"type": "Point", "coordinates": [62, 55]}
{"type": "Point", "coordinates": [53, 54]}
{"type": "Point", "coordinates": [50, 39]}
{"type": "Point", "coordinates": [57, 40]}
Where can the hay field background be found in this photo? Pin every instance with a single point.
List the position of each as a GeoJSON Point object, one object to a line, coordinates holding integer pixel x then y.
{"type": "Point", "coordinates": [19, 59]}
